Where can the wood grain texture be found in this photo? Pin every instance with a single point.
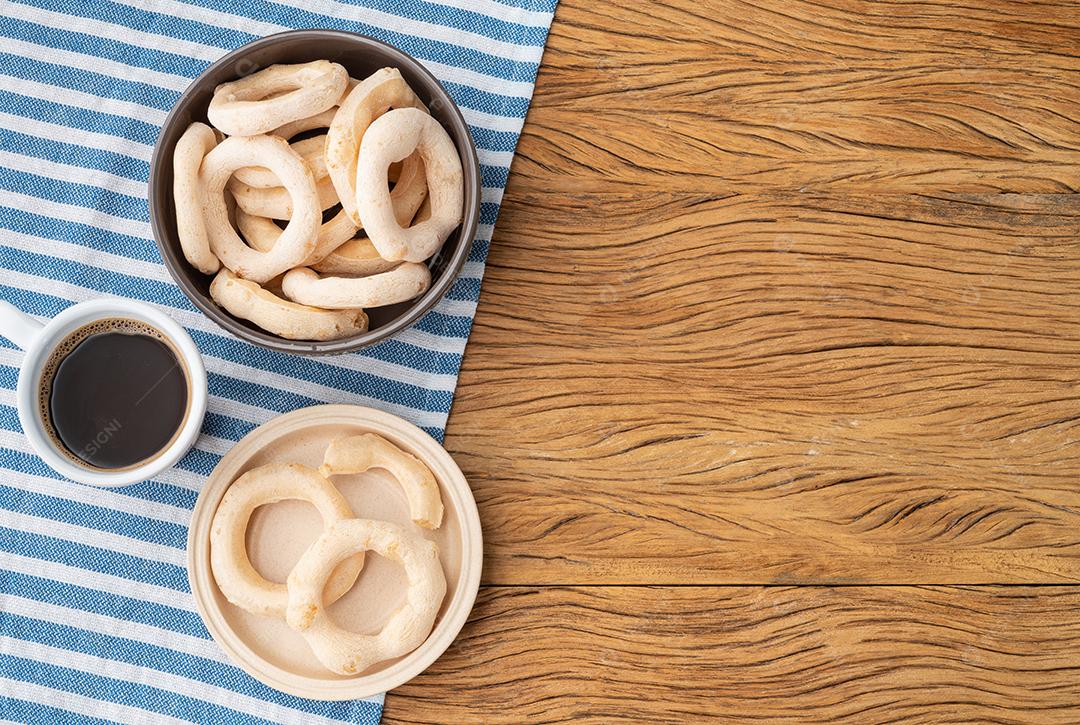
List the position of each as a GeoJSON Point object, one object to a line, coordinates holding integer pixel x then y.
{"type": "Point", "coordinates": [783, 292]}
{"type": "Point", "coordinates": [682, 655]}
{"type": "Point", "coordinates": [728, 96]}
{"type": "Point", "coordinates": [795, 388]}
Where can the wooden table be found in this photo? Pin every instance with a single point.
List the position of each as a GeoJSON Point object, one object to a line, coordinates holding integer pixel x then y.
{"type": "Point", "coordinates": [771, 406]}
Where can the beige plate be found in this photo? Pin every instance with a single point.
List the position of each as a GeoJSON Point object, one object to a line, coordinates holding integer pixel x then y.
{"type": "Point", "coordinates": [265, 647]}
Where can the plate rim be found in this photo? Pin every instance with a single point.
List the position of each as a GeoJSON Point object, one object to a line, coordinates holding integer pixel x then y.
{"type": "Point", "coordinates": [412, 664]}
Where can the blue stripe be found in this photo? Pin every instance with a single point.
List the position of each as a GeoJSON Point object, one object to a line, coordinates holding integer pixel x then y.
{"type": "Point", "coordinates": [91, 600]}
{"type": "Point", "coordinates": [37, 714]}
{"type": "Point", "coordinates": [490, 26]}
{"type": "Point", "coordinates": [85, 119]}
{"type": "Point", "coordinates": [100, 518]}
{"type": "Point", "coordinates": [494, 177]}
{"type": "Point", "coordinates": [92, 558]}
{"type": "Point", "coordinates": [59, 151]}
{"type": "Point", "coordinates": [227, 427]}
{"type": "Point", "coordinates": [112, 203]}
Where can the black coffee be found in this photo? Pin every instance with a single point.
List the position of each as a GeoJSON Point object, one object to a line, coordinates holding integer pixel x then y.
{"type": "Point", "coordinates": [114, 393]}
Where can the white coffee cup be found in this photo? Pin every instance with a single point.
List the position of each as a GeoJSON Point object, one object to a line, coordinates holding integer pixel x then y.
{"type": "Point", "coordinates": [40, 340]}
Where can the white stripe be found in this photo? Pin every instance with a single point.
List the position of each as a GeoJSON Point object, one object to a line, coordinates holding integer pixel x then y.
{"type": "Point", "coordinates": [483, 119]}
{"type": "Point", "coordinates": [89, 579]}
{"type": "Point", "coordinates": [112, 627]}
{"type": "Point", "coordinates": [93, 537]}
{"type": "Point", "coordinates": [442, 343]}
{"type": "Point", "coordinates": [456, 308]}
{"type": "Point", "coordinates": [182, 479]}
{"type": "Point", "coordinates": [102, 497]}
{"type": "Point", "coordinates": [73, 174]}
{"type": "Point", "coordinates": [241, 411]}
{"type": "Point", "coordinates": [122, 33]}
{"type": "Point", "coordinates": [78, 214]}
{"type": "Point", "coordinates": [76, 136]}
{"type": "Point", "coordinates": [123, 671]}
{"type": "Point", "coordinates": [174, 476]}
{"type": "Point", "coordinates": [83, 61]}
{"type": "Point", "coordinates": [500, 159]}
{"type": "Point", "coordinates": [78, 704]}
{"type": "Point", "coordinates": [502, 11]}
{"type": "Point", "coordinates": [212, 444]}
{"type": "Point", "coordinates": [79, 99]}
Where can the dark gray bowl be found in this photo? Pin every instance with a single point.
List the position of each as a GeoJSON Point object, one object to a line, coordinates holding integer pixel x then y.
{"type": "Point", "coordinates": [362, 56]}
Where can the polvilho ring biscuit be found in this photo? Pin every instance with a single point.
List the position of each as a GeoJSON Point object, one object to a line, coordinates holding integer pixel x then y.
{"type": "Point", "coordinates": [262, 234]}
{"type": "Point", "coordinates": [281, 317]}
{"type": "Point", "coordinates": [356, 454]}
{"type": "Point", "coordinates": [311, 150]}
{"type": "Point", "coordinates": [392, 137]}
{"type": "Point", "coordinates": [382, 90]}
{"type": "Point", "coordinates": [403, 282]}
{"type": "Point", "coordinates": [296, 242]}
{"type": "Point", "coordinates": [235, 576]}
{"type": "Point", "coordinates": [349, 653]}
{"type": "Point", "coordinates": [355, 258]}
{"type": "Point", "coordinates": [275, 96]}
{"type": "Point", "coordinates": [191, 148]}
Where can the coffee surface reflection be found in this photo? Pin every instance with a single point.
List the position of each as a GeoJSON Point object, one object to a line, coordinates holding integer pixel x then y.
{"type": "Point", "coordinates": [114, 394]}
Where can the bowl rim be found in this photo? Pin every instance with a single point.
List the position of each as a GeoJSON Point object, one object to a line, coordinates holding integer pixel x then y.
{"type": "Point", "coordinates": [455, 491]}
{"type": "Point", "coordinates": [174, 260]}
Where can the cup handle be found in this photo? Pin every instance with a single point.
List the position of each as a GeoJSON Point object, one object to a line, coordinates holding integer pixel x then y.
{"type": "Point", "coordinates": [18, 326]}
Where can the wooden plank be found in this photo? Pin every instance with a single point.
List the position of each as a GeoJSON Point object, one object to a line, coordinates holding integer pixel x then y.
{"type": "Point", "coordinates": [849, 654]}
{"type": "Point", "coordinates": [674, 388]}
{"type": "Point", "coordinates": [722, 96]}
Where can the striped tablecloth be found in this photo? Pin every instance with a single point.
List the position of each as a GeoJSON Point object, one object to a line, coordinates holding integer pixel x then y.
{"type": "Point", "coordinates": [96, 619]}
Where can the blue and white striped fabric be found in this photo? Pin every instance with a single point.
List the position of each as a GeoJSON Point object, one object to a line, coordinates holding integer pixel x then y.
{"type": "Point", "coordinates": [96, 619]}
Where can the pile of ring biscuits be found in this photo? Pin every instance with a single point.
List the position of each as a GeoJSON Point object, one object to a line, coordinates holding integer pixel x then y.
{"type": "Point", "coordinates": [234, 180]}
{"type": "Point", "coordinates": [331, 565]}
